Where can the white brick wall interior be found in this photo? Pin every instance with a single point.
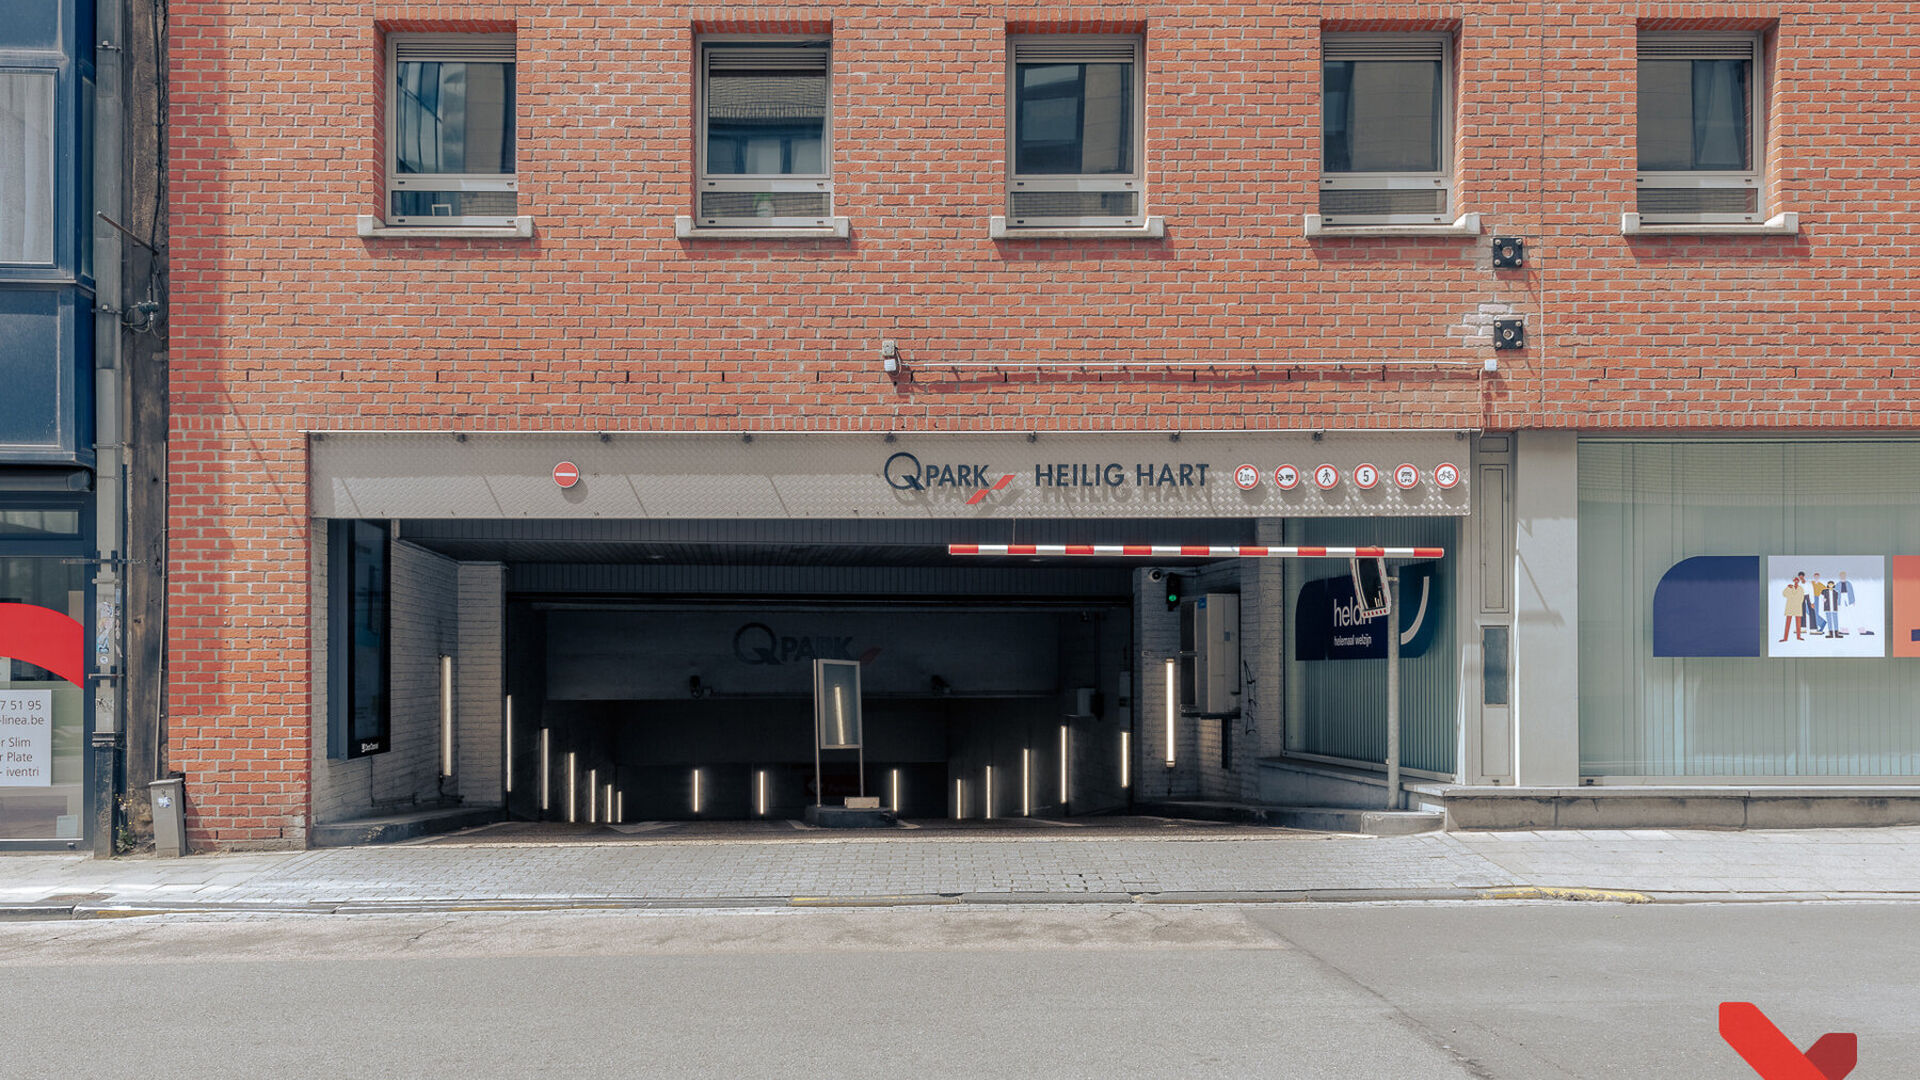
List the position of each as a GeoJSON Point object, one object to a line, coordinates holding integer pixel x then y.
{"type": "Point", "coordinates": [424, 625]}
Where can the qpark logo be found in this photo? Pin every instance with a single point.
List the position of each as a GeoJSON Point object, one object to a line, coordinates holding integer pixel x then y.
{"type": "Point", "coordinates": [758, 644]}
{"type": "Point", "coordinates": [1774, 1056]}
{"type": "Point", "coordinates": [904, 472]}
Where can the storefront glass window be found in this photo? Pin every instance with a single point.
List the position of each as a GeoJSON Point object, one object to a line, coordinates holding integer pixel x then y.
{"type": "Point", "coordinates": [1692, 553]}
{"type": "Point", "coordinates": [42, 716]}
{"type": "Point", "coordinates": [1336, 685]}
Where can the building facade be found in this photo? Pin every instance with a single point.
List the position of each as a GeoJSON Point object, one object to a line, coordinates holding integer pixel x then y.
{"type": "Point", "coordinates": [552, 384]}
{"type": "Point", "coordinates": [81, 271]}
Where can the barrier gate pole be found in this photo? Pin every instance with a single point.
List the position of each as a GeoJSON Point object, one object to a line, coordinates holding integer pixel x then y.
{"type": "Point", "coordinates": [1393, 691]}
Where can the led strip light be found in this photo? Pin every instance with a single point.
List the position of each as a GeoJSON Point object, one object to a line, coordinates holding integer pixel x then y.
{"type": "Point", "coordinates": [1200, 551]}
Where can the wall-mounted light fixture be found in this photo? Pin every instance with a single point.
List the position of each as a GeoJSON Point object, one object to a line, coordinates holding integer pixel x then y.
{"type": "Point", "coordinates": [506, 714]}
{"type": "Point", "coordinates": [446, 715]}
{"type": "Point", "coordinates": [1126, 760]}
{"type": "Point", "coordinates": [1063, 766]}
{"type": "Point", "coordinates": [593, 796]}
{"type": "Point", "coordinates": [546, 770]}
{"type": "Point", "coordinates": [696, 791]}
{"type": "Point", "coordinates": [1026, 782]}
{"type": "Point", "coordinates": [1173, 704]}
{"type": "Point", "coordinates": [1509, 334]}
{"type": "Point", "coordinates": [573, 812]}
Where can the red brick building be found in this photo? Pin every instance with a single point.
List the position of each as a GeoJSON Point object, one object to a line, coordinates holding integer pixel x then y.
{"type": "Point", "coordinates": [1207, 235]}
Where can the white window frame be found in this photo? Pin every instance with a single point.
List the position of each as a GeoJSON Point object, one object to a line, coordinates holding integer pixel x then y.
{"type": "Point", "coordinates": [447, 48]}
{"type": "Point", "coordinates": [1392, 46]}
{"type": "Point", "coordinates": [1711, 45]}
{"type": "Point", "coordinates": [808, 182]}
{"type": "Point", "coordinates": [1077, 48]}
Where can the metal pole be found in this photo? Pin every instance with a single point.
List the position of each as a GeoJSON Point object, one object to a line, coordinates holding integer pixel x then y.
{"type": "Point", "coordinates": [1393, 692]}
{"type": "Point", "coordinates": [107, 182]}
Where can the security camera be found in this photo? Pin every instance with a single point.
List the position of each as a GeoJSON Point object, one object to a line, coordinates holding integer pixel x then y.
{"type": "Point", "coordinates": [1156, 574]}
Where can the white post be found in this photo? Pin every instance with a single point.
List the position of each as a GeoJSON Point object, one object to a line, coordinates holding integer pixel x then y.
{"type": "Point", "coordinates": [1393, 691]}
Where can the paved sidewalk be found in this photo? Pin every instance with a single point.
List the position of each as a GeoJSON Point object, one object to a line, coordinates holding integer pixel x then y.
{"type": "Point", "coordinates": [1245, 865]}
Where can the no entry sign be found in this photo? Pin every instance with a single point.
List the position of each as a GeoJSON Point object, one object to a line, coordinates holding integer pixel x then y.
{"type": "Point", "coordinates": [566, 474]}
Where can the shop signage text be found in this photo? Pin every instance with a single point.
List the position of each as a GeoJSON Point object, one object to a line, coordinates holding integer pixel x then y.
{"type": "Point", "coordinates": [26, 738]}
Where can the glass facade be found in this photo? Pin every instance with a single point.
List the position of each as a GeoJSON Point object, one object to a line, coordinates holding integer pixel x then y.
{"type": "Point", "coordinates": [1696, 115]}
{"type": "Point", "coordinates": [1073, 119]}
{"type": "Point", "coordinates": [1752, 709]}
{"type": "Point", "coordinates": [42, 716]}
{"type": "Point", "coordinates": [1338, 707]}
{"type": "Point", "coordinates": [1381, 115]}
{"type": "Point", "coordinates": [769, 120]}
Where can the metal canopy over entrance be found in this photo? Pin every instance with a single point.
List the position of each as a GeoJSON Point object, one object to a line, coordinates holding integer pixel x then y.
{"type": "Point", "coordinates": [813, 476]}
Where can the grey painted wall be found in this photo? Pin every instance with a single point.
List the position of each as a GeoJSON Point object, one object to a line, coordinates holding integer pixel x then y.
{"type": "Point", "coordinates": [1546, 607]}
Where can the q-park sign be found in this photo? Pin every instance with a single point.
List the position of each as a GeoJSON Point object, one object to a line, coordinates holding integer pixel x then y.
{"type": "Point", "coordinates": [26, 738]}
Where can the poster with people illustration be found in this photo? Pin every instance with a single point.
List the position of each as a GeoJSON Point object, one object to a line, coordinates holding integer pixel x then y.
{"type": "Point", "coordinates": [1826, 605]}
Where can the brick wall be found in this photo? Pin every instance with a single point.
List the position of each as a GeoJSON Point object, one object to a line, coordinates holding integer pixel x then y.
{"type": "Point", "coordinates": [284, 320]}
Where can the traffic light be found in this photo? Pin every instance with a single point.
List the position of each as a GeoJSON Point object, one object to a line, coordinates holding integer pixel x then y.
{"type": "Point", "coordinates": [1173, 592]}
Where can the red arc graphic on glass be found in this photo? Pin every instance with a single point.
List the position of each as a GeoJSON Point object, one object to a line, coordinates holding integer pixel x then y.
{"type": "Point", "coordinates": [1773, 1055]}
{"type": "Point", "coordinates": [44, 638]}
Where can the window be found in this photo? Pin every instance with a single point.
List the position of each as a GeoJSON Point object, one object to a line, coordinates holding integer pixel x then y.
{"type": "Point", "coordinates": [1076, 121]}
{"type": "Point", "coordinates": [358, 624]}
{"type": "Point", "coordinates": [1699, 129]}
{"type": "Point", "coordinates": [26, 166]}
{"type": "Point", "coordinates": [1384, 129]}
{"type": "Point", "coordinates": [450, 130]}
{"type": "Point", "coordinates": [765, 140]}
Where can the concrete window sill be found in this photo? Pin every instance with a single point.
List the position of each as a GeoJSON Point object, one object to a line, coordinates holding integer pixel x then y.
{"type": "Point", "coordinates": [1464, 225]}
{"type": "Point", "coordinates": [1787, 224]}
{"type": "Point", "coordinates": [374, 229]}
{"type": "Point", "coordinates": [839, 229]}
{"type": "Point", "coordinates": [1153, 228]}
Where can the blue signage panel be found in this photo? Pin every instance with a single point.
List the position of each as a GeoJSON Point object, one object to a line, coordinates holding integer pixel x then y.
{"type": "Point", "coordinates": [1327, 624]}
{"type": "Point", "coordinates": [1708, 605]}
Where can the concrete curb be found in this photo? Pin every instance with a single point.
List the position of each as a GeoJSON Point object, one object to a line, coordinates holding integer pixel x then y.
{"type": "Point", "coordinates": [503, 905]}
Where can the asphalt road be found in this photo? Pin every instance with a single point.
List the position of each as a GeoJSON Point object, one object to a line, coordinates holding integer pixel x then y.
{"type": "Point", "coordinates": [1528, 991]}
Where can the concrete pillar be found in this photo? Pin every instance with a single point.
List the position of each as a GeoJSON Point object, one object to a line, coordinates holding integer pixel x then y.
{"type": "Point", "coordinates": [1546, 638]}
{"type": "Point", "coordinates": [479, 674]}
{"type": "Point", "coordinates": [1263, 700]}
{"type": "Point", "coordinates": [1159, 638]}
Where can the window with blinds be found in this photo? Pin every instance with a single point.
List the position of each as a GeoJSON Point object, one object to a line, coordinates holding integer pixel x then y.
{"type": "Point", "coordinates": [1385, 119]}
{"type": "Point", "coordinates": [765, 138]}
{"type": "Point", "coordinates": [1699, 128]}
{"type": "Point", "coordinates": [450, 130]}
{"type": "Point", "coordinates": [1074, 132]}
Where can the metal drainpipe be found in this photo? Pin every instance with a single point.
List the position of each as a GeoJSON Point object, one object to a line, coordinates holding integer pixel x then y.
{"type": "Point", "coordinates": [109, 483]}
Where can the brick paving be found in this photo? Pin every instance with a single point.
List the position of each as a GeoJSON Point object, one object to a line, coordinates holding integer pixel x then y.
{"type": "Point", "coordinates": [1066, 865]}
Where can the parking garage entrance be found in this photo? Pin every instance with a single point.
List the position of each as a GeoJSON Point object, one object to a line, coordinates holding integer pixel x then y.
{"type": "Point", "coordinates": [621, 630]}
